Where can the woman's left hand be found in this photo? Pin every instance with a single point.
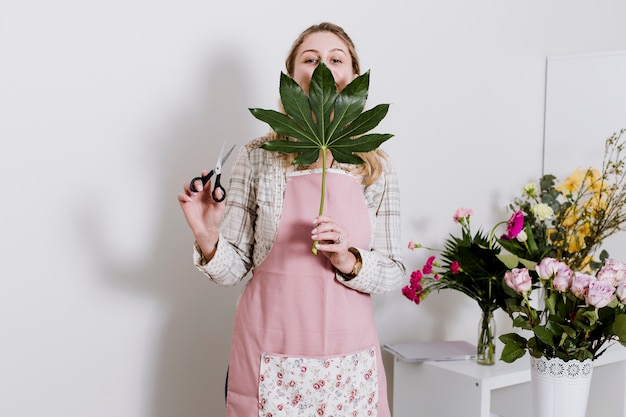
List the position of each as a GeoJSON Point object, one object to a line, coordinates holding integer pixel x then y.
{"type": "Point", "coordinates": [333, 242]}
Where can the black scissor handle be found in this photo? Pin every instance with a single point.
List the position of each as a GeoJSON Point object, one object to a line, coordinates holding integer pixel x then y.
{"type": "Point", "coordinates": [204, 180]}
{"type": "Point", "coordinates": [218, 186]}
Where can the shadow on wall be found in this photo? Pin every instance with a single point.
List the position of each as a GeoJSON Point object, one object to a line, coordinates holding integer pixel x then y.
{"type": "Point", "coordinates": [191, 355]}
{"type": "Point", "coordinates": [192, 359]}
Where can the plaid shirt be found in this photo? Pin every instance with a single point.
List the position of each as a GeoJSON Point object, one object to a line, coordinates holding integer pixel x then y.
{"type": "Point", "coordinates": [255, 198]}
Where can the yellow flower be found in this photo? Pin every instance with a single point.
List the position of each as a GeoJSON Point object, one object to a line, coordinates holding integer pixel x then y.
{"type": "Point", "coordinates": [570, 217]}
{"type": "Point", "coordinates": [571, 183]}
{"type": "Point", "coordinates": [595, 205]}
{"type": "Point", "coordinates": [593, 180]}
{"type": "Point", "coordinates": [576, 241]}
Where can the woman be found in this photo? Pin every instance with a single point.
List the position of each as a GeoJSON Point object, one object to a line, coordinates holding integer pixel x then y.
{"type": "Point", "coordinates": [304, 339]}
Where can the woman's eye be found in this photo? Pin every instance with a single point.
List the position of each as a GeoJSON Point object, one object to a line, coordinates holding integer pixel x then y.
{"type": "Point", "coordinates": [336, 61]}
{"type": "Point", "coordinates": [311, 61]}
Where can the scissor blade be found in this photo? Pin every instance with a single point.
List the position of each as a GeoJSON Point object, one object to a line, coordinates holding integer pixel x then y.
{"type": "Point", "coordinates": [222, 160]}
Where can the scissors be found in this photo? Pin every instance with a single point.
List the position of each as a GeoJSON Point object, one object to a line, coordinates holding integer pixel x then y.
{"type": "Point", "coordinates": [218, 175]}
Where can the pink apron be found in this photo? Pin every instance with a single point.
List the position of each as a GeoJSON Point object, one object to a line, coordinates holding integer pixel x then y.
{"type": "Point", "coordinates": [304, 344]}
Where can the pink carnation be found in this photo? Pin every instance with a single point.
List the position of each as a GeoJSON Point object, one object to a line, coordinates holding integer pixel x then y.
{"type": "Point", "coordinates": [428, 266]}
{"type": "Point", "coordinates": [462, 213]}
{"type": "Point", "coordinates": [416, 279]}
{"type": "Point", "coordinates": [455, 267]}
{"type": "Point", "coordinates": [409, 293]}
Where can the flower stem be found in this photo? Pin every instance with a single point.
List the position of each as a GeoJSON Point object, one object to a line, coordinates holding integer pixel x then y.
{"type": "Point", "coordinates": [492, 232]}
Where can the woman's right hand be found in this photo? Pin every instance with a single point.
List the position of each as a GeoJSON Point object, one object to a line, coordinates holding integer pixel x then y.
{"type": "Point", "coordinates": [203, 215]}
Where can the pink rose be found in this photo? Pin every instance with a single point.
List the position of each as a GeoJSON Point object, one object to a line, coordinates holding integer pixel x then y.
{"type": "Point", "coordinates": [519, 279]}
{"type": "Point", "coordinates": [549, 267]}
{"type": "Point", "coordinates": [620, 291]}
{"type": "Point", "coordinates": [613, 271]}
{"type": "Point", "coordinates": [562, 279]}
{"type": "Point", "coordinates": [600, 293]}
{"type": "Point", "coordinates": [580, 284]}
{"type": "Point", "coordinates": [462, 213]}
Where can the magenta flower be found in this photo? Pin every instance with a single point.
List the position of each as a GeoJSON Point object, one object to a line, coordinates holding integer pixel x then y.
{"type": "Point", "coordinates": [455, 267]}
{"type": "Point", "coordinates": [428, 266]}
{"type": "Point", "coordinates": [412, 293]}
{"type": "Point", "coordinates": [515, 226]}
{"type": "Point", "coordinates": [409, 293]}
{"type": "Point", "coordinates": [416, 279]}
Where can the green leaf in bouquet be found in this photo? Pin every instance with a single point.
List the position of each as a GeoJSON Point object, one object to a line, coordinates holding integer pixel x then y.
{"type": "Point", "coordinates": [543, 334]}
{"type": "Point", "coordinates": [514, 347]}
{"type": "Point", "coordinates": [522, 323]}
{"type": "Point", "coordinates": [509, 260]}
{"type": "Point", "coordinates": [619, 328]}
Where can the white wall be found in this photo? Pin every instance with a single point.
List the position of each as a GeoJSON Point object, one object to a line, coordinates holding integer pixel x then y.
{"type": "Point", "coordinates": [106, 108]}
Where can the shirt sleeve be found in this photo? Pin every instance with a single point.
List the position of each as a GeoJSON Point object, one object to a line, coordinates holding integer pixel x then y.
{"type": "Point", "coordinates": [233, 257]}
{"type": "Point", "coordinates": [383, 267]}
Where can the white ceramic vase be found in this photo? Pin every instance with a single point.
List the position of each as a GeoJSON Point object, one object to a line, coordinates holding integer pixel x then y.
{"type": "Point", "coordinates": [559, 388]}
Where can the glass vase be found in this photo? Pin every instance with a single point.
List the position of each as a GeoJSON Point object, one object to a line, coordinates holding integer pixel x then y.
{"type": "Point", "coordinates": [486, 347]}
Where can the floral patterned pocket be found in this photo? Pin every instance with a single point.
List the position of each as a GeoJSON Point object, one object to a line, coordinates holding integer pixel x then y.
{"type": "Point", "coordinates": [339, 386]}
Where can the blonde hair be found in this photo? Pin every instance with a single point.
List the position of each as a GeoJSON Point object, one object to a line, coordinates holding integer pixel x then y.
{"type": "Point", "coordinates": [373, 167]}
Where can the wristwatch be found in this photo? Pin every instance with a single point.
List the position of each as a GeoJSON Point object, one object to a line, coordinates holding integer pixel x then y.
{"type": "Point", "coordinates": [357, 265]}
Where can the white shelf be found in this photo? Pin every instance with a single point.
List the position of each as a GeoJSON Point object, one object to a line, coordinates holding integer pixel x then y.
{"type": "Point", "coordinates": [465, 389]}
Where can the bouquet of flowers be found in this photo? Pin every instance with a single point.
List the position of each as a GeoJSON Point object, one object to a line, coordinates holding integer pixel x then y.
{"type": "Point", "coordinates": [570, 221]}
{"type": "Point", "coordinates": [583, 311]}
{"type": "Point", "coordinates": [469, 263]}
{"type": "Point", "coordinates": [472, 264]}
{"type": "Point", "coordinates": [581, 298]}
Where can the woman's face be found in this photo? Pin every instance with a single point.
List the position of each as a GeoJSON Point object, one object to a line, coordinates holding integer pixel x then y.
{"type": "Point", "coordinates": [331, 50]}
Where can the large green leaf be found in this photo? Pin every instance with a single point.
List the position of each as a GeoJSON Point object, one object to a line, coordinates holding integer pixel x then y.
{"type": "Point", "coordinates": [322, 95]}
{"type": "Point", "coordinates": [283, 124]}
{"type": "Point", "coordinates": [324, 121]}
{"type": "Point", "coordinates": [295, 102]}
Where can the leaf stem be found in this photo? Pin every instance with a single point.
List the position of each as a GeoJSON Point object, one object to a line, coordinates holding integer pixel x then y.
{"type": "Point", "coordinates": [321, 211]}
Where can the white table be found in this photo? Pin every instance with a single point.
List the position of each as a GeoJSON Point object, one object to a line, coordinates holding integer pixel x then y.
{"type": "Point", "coordinates": [466, 389]}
